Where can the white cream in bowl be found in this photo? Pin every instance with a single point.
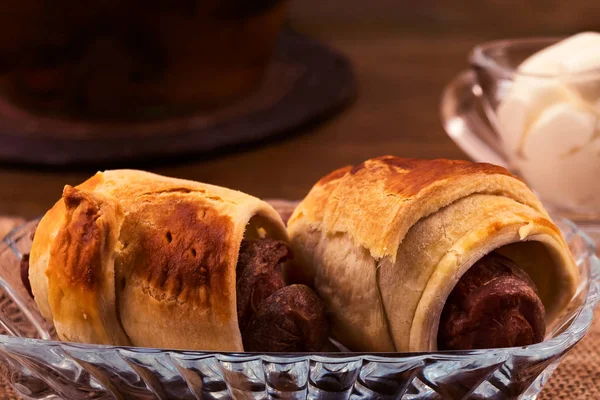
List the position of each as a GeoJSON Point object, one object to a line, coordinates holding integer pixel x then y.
{"type": "Point", "coordinates": [550, 126]}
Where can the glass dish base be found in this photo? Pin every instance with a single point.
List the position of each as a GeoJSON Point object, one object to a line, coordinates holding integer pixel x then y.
{"type": "Point", "coordinates": [39, 367]}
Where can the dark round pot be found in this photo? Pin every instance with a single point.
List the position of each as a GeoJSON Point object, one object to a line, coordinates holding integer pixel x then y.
{"type": "Point", "coordinates": [134, 59]}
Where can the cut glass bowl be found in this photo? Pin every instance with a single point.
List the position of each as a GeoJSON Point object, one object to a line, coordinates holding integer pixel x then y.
{"type": "Point", "coordinates": [39, 367]}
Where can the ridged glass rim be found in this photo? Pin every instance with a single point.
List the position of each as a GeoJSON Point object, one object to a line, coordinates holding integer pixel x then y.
{"type": "Point", "coordinates": [484, 55]}
{"type": "Point", "coordinates": [576, 330]}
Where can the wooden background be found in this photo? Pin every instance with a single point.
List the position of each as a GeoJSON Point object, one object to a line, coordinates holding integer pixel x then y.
{"type": "Point", "coordinates": [404, 53]}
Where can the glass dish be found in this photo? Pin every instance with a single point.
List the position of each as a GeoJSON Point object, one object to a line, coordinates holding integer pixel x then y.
{"type": "Point", "coordinates": [481, 115]}
{"type": "Point", "coordinates": [41, 368]}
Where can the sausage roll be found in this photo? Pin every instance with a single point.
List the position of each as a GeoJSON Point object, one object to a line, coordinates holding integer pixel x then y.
{"type": "Point", "coordinates": [420, 255]}
{"type": "Point", "coordinates": [133, 258]}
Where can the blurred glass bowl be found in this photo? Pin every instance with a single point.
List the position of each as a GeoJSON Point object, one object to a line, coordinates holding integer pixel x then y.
{"type": "Point", "coordinates": [497, 113]}
{"type": "Point", "coordinates": [39, 367]}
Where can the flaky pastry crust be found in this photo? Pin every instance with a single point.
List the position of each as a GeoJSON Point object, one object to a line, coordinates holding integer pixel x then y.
{"type": "Point", "coordinates": [133, 258]}
{"type": "Point", "coordinates": [385, 242]}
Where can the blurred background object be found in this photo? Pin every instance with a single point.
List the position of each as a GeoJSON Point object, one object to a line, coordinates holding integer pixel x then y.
{"type": "Point", "coordinates": [129, 81]}
{"type": "Point", "coordinates": [483, 18]}
{"type": "Point", "coordinates": [134, 59]}
{"type": "Point", "coordinates": [403, 53]}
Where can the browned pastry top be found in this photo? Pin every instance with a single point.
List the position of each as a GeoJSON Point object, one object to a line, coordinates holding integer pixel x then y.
{"type": "Point", "coordinates": [407, 189]}
{"type": "Point", "coordinates": [130, 257]}
{"type": "Point", "coordinates": [180, 257]}
{"type": "Point", "coordinates": [384, 243]}
{"type": "Point", "coordinates": [407, 176]}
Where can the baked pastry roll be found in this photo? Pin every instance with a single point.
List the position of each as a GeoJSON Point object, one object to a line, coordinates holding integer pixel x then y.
{"type": "Point", "coordinates": [385, 243]}
{"type": "Point", "coordinates": [133, 258]}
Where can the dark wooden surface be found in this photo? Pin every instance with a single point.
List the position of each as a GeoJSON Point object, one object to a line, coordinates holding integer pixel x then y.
{"type": "Point", "coordinates": [404, 54]}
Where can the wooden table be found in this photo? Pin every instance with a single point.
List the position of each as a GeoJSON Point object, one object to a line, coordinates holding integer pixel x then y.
{"type": "Point", "coordinates": [404, 53]}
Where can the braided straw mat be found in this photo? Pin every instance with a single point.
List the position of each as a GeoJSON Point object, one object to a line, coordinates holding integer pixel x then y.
{"type": "Point", "coordinates": [577, 377]}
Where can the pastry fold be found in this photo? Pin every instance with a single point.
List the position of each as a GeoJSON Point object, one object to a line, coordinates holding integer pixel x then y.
{"type": "Point", "coordinates": [385, 242]}
{"type": "Point", "coordinates": [133, 258]}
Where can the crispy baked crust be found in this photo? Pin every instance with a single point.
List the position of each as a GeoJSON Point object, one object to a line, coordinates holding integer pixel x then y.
{"type": "Point", "coordinates": [385, 242]}
{"type": "Point", "coordinates": [133, 258]}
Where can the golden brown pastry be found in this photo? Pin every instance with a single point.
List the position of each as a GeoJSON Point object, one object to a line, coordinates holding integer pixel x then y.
{"type": "Point", "coordinates": [133, 258]}
{"type": "Point", "coordinates": [385, 243]}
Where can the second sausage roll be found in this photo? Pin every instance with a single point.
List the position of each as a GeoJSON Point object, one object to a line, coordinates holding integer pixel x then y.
{"type": "Point", "coordinates": [386, 243]}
